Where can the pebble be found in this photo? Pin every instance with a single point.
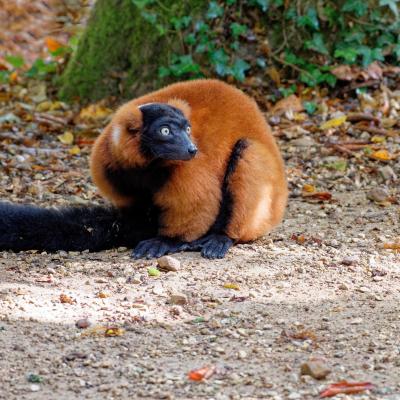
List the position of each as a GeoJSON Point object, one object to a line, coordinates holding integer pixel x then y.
{"type": "Point", "coordinates": [177, 299]}
{"type": "Point", "coordinates": [349, 261]}
{"type": "Point", "coordinates": [356, 321]}
{"type": "Point", "coordinates": [317, 368]}
{"type": "Point", "coordinates": [378, 194]}
{"type": "Point", "coordinates": [169, 263]}
{"type": "Point", "coordinates": [35, 388]}
{"type": "Point", "coordinates": [363, 289]}
{"type": "Point", "coordinates": [242, 354]}
{"type": "Point", "coordinates": [303, 142]}
{"type": "Point", "coordinates": [82, 323]}
{"type": "Point", "coordinates": [343, 286]}
{"type": "Point", "coordinates": [387, 173]}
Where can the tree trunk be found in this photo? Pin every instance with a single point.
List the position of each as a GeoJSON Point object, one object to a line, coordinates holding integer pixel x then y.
{"type": "Point", "coordinates": [120, 51]}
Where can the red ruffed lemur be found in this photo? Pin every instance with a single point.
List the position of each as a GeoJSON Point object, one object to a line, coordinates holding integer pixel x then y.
{"type": "Point", "coordinates": [192, 166]}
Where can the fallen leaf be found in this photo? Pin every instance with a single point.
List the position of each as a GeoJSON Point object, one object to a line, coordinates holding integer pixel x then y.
{"type": "Point", "coordinates": [114, 331]}
{"type": "Point", "coordinates": [290, 103]}
{"type": "Point", "coordinates": [392, 246]}
{"type": "Point", "coordinates": [66, 299]}
{"type": "Point", "coordinates": [75, 150]}
{"type": "Point", "coordinates": [94, 112]}
{"type": "Point", "coordinates": [382, 155]}
{"type": "Point", "coordinates": [102, 295]}
{"type": "Point", "coordinates": [233, 286]}
{"type": "Point", "coordinates": [153, 272]}
{"type": "Point", "coordinates": [334, 122]}
{"type": "Point", "coordinates": [52, 44]}
{"type": "Point", "coordinates": [202, 374]}
{"type": "Point", "coordinates": [323, 196]}
{"type": "Point", "coordinates": [274, 75]}
{"type": "Point", "coordinates": [345, 387]}
{"type": "Point", "coordinates": [308, 188]}
{"type": "Point", "coordinates": [66, 138]}
{"type": "Point", "coordinates": [344, 73]}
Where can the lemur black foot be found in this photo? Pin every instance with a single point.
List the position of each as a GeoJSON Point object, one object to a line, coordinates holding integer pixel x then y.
{"type": "Point", "coordinates": [157, 247]}
{"type": "Point", "coordinates": [213, 245]}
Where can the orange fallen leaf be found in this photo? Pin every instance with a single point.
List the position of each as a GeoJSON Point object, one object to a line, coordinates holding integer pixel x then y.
{"type": "Point", "coordinates": [203, 373]}
{"type": "Point", "coordinates": [13, 77]}
{"type": "Point", "coordinates": [323, 196]}
{"type": "Point", "coordinates": [94, 112]}
{"type": "Point", "coordinates": [345, 387]}
{"type": "Point", "coordinates": [66, 299]}
{"type": "Point", "coordinates": [392, 246]}
{"type": "Point", "coordinates": [308, 188]}
{"type": "Point", "coordinates": [52, 44]}
{"type": "Point", "coordinates": [382, 155]}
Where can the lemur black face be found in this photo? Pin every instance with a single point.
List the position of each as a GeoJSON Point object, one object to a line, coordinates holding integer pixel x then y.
{"type": "Point", "coordinates": [166, 133]}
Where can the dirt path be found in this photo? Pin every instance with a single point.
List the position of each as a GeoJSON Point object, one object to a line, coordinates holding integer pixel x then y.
{"type": "Point", "coordinates": [321, 285]}
{"type": "Point", "coordinates": [341, 287]}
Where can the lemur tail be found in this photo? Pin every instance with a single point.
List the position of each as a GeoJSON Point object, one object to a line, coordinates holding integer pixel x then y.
{"type": "Point", "coordinates": [94, 228]}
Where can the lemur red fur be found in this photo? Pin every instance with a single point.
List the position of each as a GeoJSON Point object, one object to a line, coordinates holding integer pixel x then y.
{"type": "Point", "coordinates": [220, 115]}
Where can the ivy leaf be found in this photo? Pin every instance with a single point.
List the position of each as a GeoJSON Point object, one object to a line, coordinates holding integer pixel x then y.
{"type": "Point", "coordinates": [317, 44]}
{"type": "Point", "coordinates": [239, 69]}
{"type": "Point", "coordinates": [220, 60]}
{"type": "Point", "coordinates": [357, 7]}
{"type": "Point", "coordinates": [238, 29]}
{"type": "Point", "coordinates": [15, 61]}
{"type": "Point", "coordinates": [348, 54]}
{"type": "Point", "coordinates": [310, 19]}
{"type": "Point", "coordinates": [214, 10]}
{"type": "Point", "coordinates": [392, 4]}
{"type": "Point", "coordinates": [310, 107]}
{"type": "Point", "coordinates": [141, 4]}
{"type": "Point", "coordinates": [262, 4]}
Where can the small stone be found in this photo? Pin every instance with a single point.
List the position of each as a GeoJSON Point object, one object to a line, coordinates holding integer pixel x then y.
{"type": "Point", "coordinates": [303, 142]}
{"type": "Point", "coordinates": [317, 368]}
{"type": "Point", "coordinates": [387, 173]}
{"type": "Point", "coordinates": [378, 194]}
{"type": "Point", "coordinates": [343, 286]}
{"type": "Point", "coordinates": [242, 354]}
{"type": "Point", "coordinates": [178, 299]}
{"type": "Point", "coordinates": [363, 289]}
{"type": "Point", "coordinates": [356, 321]}
{"type": "Point", "coordinates": [349, 261]}
{"type": "Point", "coordinates": [82, 323]}
{"type": "Point", "coordinates": [35, 388]}
{"type": "Point", "coordinates": [294, 396]}
{"type": "Point", "coordinates": [168, 263]}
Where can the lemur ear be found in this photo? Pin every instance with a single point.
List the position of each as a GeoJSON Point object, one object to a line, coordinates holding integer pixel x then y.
{"type": "Point", "coordinates": [181, 105]}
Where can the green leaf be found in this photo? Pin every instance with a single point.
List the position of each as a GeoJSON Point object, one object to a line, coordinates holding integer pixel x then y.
{"type": "Point", "coordinates": [238, 29]}
{"type": "Point", "coordinates": [317, 44]}
{"type": "Point", "coordinates": [142, 3]}
{"type": "Point", "coordinates": [4, 76]}
{"type": "Point", "coordinates": [262, 4]}
{"type": "Point", "coordinates": [310, 19]}
{"type": "Point", "coordinates": [190, 39]}
{"type": "Point", "coordinates": [214, 10]}
{"type": "Point", "coordinates": [357, 7]}
{"type": "Point", "coordinates": [392, 4]}
{"type": "Point", "coordinates": [348, 54]}
{"type": "Point", "coordinates": [15, 61]}
{"type": "Point", "coordinates": [310, 107]}
{"type": "Point", "coordinates": [239, 69]}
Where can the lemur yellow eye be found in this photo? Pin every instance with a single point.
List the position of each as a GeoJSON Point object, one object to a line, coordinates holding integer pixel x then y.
{"type": "Point", "coordinates": [188, 130]}
{"type": "Point", "coordinates": [164, 131]}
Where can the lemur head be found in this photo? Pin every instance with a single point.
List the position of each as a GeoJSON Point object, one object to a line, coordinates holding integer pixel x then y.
{"type": "Point", "coordinates": [163, 133]}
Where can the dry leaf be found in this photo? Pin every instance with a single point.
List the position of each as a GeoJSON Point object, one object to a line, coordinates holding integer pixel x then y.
{"type": "Point", "coordinates": [345, 387]}
{"type": "Point", "coordinates": [334, 123]}
{"type": "Point", "coordinates": [290, 103]}
{"type": "Point", "coordinates": [74, 150]}
{"type": "Point", "coordinates": [94, 112]}
{"type": "Point", "coordinates": [382, 155]}
{"type": "Point", "coordinates": [344, 73]}
{"type": "Point", "coordinates": [233, 286]}
{"type": "Point", "coordinates": [66, 138]}
{"type": "Point", "coordinates": [202, 374]}
{"type": "Point", "coordinates": [273, 73]}
{"type": "Point", "coordinates": [53, 44]}
{"type": "Point", "coordinates": [66, 299]}
{"type": "Point", "coordinates": [308, 188]}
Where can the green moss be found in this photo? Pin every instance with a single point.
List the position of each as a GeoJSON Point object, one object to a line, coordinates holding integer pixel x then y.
{"type": "Point", "coordinates": [120, 51]}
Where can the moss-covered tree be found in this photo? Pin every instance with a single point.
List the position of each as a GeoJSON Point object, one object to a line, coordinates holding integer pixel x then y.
{"type": "Point", "coordinates": [120, 50]}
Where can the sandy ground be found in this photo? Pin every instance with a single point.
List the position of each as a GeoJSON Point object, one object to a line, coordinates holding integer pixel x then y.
{"type": "Point", "coordinates": [340, 286]}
